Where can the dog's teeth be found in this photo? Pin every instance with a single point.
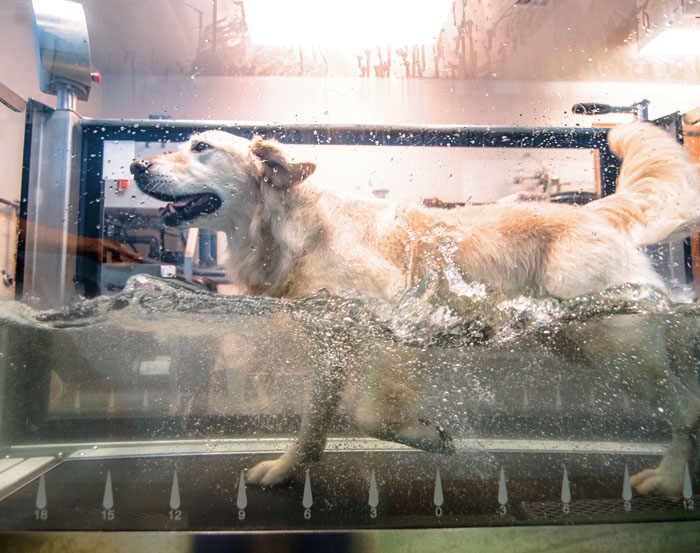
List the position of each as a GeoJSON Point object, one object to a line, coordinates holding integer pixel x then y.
{"type": "Point", "coordinates": [171, 208]}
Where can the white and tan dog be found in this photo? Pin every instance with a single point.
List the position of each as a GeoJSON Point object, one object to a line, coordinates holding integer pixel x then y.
{"type": "Point", "coordinates": [290, 238]}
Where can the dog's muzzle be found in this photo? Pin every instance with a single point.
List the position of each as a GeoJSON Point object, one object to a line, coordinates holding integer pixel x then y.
{"type": "Point", "coordinates": [139, 167]}
{"type": "Point", "coordinates": [179, 208]}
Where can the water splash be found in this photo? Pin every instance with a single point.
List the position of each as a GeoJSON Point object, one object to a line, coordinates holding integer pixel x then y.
{"type": "Point", "coordinates": [455, 350]}
{"type": "Point", "coordinates": [466, 316]}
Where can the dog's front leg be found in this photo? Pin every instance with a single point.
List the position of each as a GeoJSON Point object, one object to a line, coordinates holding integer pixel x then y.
{"type": "Point", "coordinates": [329, 377]}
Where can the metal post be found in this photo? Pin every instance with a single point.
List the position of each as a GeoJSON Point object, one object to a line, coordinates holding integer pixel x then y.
{"type": "Point", "coordinates": [52, 214]}
{"type": "Point", "coordinates": [51, 182]}
{"type": "Point", "coordinates": [66, 98]}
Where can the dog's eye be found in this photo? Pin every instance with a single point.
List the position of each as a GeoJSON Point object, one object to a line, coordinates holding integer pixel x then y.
{"type": "Point", "coordinates": [200, 146]}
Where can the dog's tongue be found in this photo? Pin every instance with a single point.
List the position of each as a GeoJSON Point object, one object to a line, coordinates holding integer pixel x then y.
{"type": "Point", "coordinates": [170, 207]}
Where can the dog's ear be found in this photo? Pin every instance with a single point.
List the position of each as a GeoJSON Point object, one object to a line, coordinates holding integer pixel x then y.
{"type": "Point", "coordinates": [276, 169]}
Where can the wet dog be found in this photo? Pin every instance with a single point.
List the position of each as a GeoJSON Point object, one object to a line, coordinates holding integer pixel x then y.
{"type": "Point", "coordinates": [290, 238]}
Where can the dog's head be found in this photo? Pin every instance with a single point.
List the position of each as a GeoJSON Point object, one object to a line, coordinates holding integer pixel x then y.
{"type": "Point", "coordinates": [216, 177]}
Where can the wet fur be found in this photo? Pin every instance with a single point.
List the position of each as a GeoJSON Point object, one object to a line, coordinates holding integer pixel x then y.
{"type": "Point", "coordinates": [289, 237]}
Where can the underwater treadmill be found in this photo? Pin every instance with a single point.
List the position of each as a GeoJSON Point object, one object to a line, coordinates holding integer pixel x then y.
{"type": "Point", "coordinates": [140, 408]}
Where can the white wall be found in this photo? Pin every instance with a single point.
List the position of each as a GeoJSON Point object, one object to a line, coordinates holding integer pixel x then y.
{"type": "Point", "coordinates": [395, 101]}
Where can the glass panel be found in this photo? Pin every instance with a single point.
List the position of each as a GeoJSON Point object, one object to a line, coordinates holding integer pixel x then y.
{"type": "Point", "coordinates": [263, 274]}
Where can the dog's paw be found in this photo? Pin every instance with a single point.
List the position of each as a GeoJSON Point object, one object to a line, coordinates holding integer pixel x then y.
{"type": "Point", "coordinates": [657, 481]}
{"type": "Point", "coordinates": [270, 473]}
{"type": "Point", "coordinates": [425, 435]}
{"type": "Point", "coordinates": [447, 446]}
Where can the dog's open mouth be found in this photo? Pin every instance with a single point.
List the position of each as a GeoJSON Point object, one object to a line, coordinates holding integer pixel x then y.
{"type": "Point", "coordinates": [186, 208]}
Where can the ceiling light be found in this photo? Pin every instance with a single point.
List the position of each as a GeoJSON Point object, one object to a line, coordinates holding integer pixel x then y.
{"type": "Point", "coordinates": [361, 23]}
{"type": "Point", "coordinates": [674, 41]}
{"type": "Point", "coordinates": [669, 29]}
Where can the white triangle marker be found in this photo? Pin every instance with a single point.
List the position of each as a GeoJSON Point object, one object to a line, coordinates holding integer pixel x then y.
{"type": "Point", "coordinates": [308, 500]}
{"type": "Point", "coordinates": [111, 402]}
{"type": "Point", "coordinates": [175, 493]}
{"type": "Point", "coordinates": [626, 487]}
{"type": "Point", "coordinates": [565, 491]}
{"type": "Point", "coordinates": [108, 499]}
{"type": "Point", "coordinates": [242, 499]}
{"type": "Point", "coordinates": [41, 494]}
{"type": "Point", "coordinates": [438, 498]}
{"type": "Point", "coordinates": [687, 484]}
{"type": "Point", "coordinates": [176, 403]}
{"type": "Point", "coordinates": [502, 490]}
{"type": "Point", "coordinates": [373, 500]}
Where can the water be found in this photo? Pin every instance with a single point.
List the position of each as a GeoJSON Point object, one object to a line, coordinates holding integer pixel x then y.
{"type": "Point", "coordinates": [478, 364]}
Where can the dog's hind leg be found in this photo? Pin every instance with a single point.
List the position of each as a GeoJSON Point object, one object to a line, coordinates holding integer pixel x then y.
{"type": "Point", "coordinates": [682, 394]}
{"type": "Point", "coordinates": [648, 353]}
{"type": "Point", "coordinates": [408, 429]}
{"type": "Point", "coordinates": [424, 434]}
{"type": "Point", "coordinates": [389, 409]}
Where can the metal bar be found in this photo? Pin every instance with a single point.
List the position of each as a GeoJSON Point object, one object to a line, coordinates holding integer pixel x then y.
{"type": "Point", "coordinates": [10, 203]}
{"type": "Point", "coordinates": [66, 98]}
{"type": "Point", "coordinates": [13, 101]}
{"type": "Point", "coordinates": [278, 445]}
{"type": "Point", "coordinates": [21, 471]}
{"type": "Point", "coordinates": [609, 171]}
{"type": "Point", "coordinates": [91, 219]}
{"type": "Point", "coordinates": [8, 463]}
{"type": "Point", "coordinates": [33, 112]}
{"type": "Point", "coordinates": [351, 135]}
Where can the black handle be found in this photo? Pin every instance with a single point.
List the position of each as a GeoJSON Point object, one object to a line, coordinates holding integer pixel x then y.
{"type": "Point", "coordinates": [590, 109]}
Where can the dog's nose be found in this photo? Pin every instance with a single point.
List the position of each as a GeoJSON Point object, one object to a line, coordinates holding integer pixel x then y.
{"type": "Point", "coordinates": [140, 166]}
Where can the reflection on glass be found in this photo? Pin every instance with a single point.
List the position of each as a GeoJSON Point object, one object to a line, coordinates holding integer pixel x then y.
{"type": "Point", "coordinates": [273, 275]}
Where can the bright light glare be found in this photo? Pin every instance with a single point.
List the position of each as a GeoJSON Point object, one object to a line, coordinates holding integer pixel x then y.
{"type": "Point", "coordinates": [359, 23]}
{"type": "Point", "coordinates": [674, 42]}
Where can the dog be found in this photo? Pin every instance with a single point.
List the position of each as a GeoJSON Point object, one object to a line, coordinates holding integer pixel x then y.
{"type": "Point", "coordinates": [289, 237]}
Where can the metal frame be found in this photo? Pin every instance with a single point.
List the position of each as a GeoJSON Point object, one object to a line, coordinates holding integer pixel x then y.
{"type": "Point", "coordinates": [95, 132]}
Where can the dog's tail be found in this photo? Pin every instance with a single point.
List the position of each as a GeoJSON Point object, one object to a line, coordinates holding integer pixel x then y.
{"type": "Point", "coordinates": [658, 191]}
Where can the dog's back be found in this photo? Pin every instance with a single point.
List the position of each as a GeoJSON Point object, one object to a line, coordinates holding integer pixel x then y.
{"type": "Point", "coordinates": [567, 251]}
